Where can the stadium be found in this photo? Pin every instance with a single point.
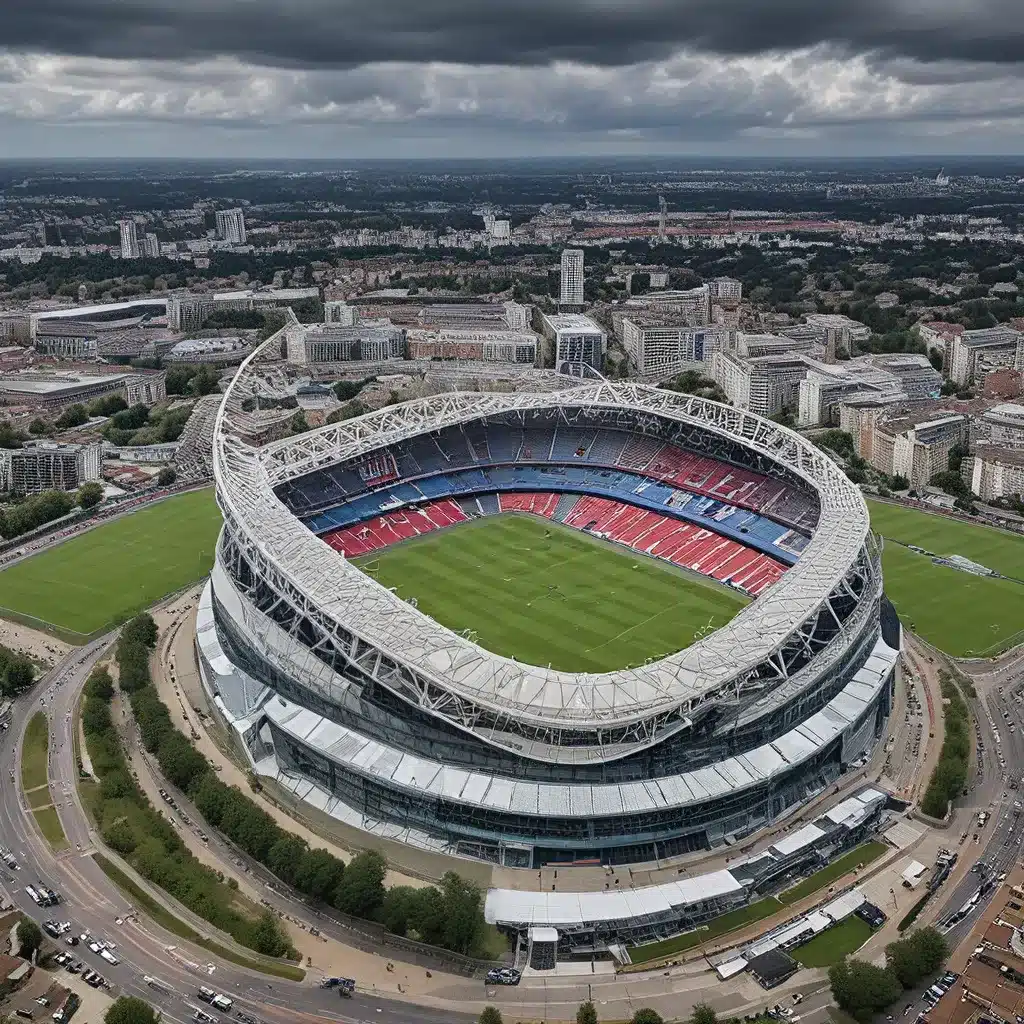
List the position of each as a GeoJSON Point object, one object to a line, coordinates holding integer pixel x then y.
{"type": "Point", "coordinates": [495, 727]}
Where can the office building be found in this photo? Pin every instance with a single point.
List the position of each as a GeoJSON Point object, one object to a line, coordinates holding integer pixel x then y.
{"type": "Point", "coordinates": [571, 294]}
{"type": "Point", "coordinates": [48, 466]}
{"type": "Point", "coordinates": [129, 240]}
{"type": "Point", "coordinates": [577, 340]}
{"type": "Point", "coordinates": [231, 226]}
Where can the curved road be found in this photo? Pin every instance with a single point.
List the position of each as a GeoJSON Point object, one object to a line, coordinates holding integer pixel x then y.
{"type": "Point", "coordinates": [92, 902]}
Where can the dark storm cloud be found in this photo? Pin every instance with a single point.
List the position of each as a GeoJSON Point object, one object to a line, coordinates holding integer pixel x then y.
{"type": "Point", "coordinates": [347, 33]}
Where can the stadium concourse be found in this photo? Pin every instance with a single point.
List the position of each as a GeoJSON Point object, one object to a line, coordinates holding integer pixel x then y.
{"type": "Point", "coordinates": [378, 716]}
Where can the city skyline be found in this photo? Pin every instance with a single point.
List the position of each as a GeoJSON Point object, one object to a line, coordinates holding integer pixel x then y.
{"type": "Point", "coordinates": [95, 79]}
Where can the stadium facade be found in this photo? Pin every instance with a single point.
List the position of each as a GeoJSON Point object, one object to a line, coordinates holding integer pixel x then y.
{"type": "Point", "coordinates": [377, 715]}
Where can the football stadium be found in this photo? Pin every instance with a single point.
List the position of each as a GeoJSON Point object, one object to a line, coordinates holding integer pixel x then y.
{"type": "Point", "coordinates": [572, 622]}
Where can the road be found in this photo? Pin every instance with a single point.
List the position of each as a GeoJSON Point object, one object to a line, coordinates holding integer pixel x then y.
{"type": "Point", "coordinates": [999, 765]}
{"type": "Point", "coordinates": [93, 903]}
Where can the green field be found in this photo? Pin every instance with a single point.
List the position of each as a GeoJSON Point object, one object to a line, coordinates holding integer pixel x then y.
{"type": "Point", "coordinates": [49, 824]}
{"type": "Point", "coordinates": [97, 580]}
{"type": "Point", "coordinates": [840, 866]}
{"type": "Point", "coordinates": [34, 746]}
{"type": "Point", "coordinates": [832, 945]}
{"type": "Point", "coordinates": [547, 594]}
{"type": "Point", "coordinates": [961, 614]}
{"type": "Point", "coordinates": [718, 926]}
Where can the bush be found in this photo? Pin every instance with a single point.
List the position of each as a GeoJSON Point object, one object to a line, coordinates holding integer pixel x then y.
{"type": "Point", "coordinates": [90, 494]}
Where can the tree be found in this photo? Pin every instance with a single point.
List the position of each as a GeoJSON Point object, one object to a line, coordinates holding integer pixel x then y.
{"type": "Point", "coordinates": [490, 1015]}
{"type": "Point", "coordinates": [862, 989]}
{"type": "Point", "coordinates": [703, 1014]}
{"type": "Point", "coordinates": [916, 956]}
{"type": "Point", "coordinates": [130, 1010]}
{"type": "Point", "coordinates": [38, 426]}
{"type": "Point", "coordinates": [17, 675]}
{"type": "Point", "coordinates": [319, 874]}
{"type": "Point", "coordinates": [645, 1015]}
{"type": "Point", "coordinates": [90, 494]}
{"type": "Point", "coordinates": [361, 889]}
{"type": "Point", "coordinates": [72, 416]}
{"type": "Point", "coordinates": [899, 483]}
{"type": "Point", "coordinates": [462, 913]}
{"type": "Point", "coordinates": [30, 938]}
{"type": "Point", "coordinates": [587, 1013]}
{"type": "Point", "coordinates": [166, 476]}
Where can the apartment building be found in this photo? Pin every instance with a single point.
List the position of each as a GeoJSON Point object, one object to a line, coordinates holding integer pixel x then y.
{"type": "Point", "coordinates": [765, 385]}
{"type": "Point", "coordinates": [658, 350]}
{"type": "Point", "coordinates": [570, 295]}
{"type": "Point", "coordinates": [1002, 426]}
{"type": "Point", "coordinates": [995, 472]}
{"type": "Point", "coordinates": [915, 447]}
{"type": "Point", "coordinates": [231, 226]}
{"type": "Point", "coordinates": [977, 353]}
{"type": "Point", "coordinates": [368, 341]}
{"type": "Point", "coordinates": [340, 313]}
{"type": "Point", "coordinates": [48, 466]}
{"type": "Point", "coordinates": [476, 345]}
{"type": "Point", "coordinates": [130, 249]}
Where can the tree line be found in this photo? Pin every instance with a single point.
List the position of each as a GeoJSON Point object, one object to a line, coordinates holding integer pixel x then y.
{"type": "Point", "coordinates": [131, 826]}
{"type": "Point", "coordinates": [449, 915]}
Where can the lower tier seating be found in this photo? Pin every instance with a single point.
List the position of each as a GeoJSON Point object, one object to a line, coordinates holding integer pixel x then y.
{"type": "Point", "coordinates": [683, 544]}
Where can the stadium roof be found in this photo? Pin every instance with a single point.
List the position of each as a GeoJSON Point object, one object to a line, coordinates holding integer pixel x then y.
{"type": "Point", "coordinates": [438, 657]}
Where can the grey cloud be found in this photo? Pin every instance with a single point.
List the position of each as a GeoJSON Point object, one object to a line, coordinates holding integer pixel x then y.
{"type": "Point", "coordinates": [349, 33]}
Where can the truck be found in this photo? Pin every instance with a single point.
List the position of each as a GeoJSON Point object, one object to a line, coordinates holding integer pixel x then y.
{"type": "Point", "coordinates": [221, 1003]}
{"type": "Point", "coordinates": [206, 994]}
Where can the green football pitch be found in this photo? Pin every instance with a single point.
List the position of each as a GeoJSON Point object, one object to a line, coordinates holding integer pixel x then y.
{"type": "Point", "coordinates": [962, 614]}
{"type": "Point", "coordinates": [546, 594]}
{"type": "Point", "coordinates": [94, 581]}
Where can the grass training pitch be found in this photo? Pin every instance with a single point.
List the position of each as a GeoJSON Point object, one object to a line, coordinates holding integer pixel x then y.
{"type": "Point", "coordinates": [546, 594]}
{"type": "Point", "coordinates": [105, 576]}
{"type": "Point", "coordinates": [962, 614]}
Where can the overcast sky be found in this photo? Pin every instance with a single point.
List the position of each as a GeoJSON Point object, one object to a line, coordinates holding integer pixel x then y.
{"type": "Point", "coordinates": [405, 78]}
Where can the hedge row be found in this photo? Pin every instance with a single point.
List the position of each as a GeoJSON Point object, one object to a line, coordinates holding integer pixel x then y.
{"type": "Point", "coordinates": [450, 916]}
{"type": "Point", "coordinates": [950, 774]}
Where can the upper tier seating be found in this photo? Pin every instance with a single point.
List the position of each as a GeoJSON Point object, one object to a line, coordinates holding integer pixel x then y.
{"type": "Point", "coordinates": [495, 444]}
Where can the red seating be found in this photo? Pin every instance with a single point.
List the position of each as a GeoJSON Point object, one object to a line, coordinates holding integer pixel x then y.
{"type": "Point", "coordinates": [538, 504]}
{"type": "Point", "coordinates": [714, 479]}
{"type": "Point", "coordinates": [680, 543]}
{"type": "Point", "coordinates": [388, 529]}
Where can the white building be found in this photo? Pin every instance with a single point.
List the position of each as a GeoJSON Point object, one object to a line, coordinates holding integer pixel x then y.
{"type": "Point", "coordinates": [478, 345]}
{"type": "Point", "coordinates": [996, 472]}
{"type": "Point", "coordinates": [340, 313]}
{"type": "Point", "coordinates": [976, 353]}
{"type": "Point", "coordinates": [725, 289]}
{"type": "Point", "coordinates": [129, 240]}
{"type": "Point", "coordinates": [368, 341]}
{"type": "Point", "coordinates": [151, 245]}
{"type": "Point", "coordinates": [571, 294]}
{"type": "Point", "coordinates": [660, 350]}
{"type": "Point", "coordinates": [577, 339]}
{"type": "Point", "coordinates": [231, 226]}
{"type": "Point", "coordinates": [1001, 426]}
{"type": "Point", "coordinates": [764, 385]}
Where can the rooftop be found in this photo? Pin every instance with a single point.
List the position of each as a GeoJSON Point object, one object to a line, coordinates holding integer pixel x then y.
{"type": "Point", "coordinates": [50, 383]}
{"type": "Point", "coordinates": [572, 322]}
